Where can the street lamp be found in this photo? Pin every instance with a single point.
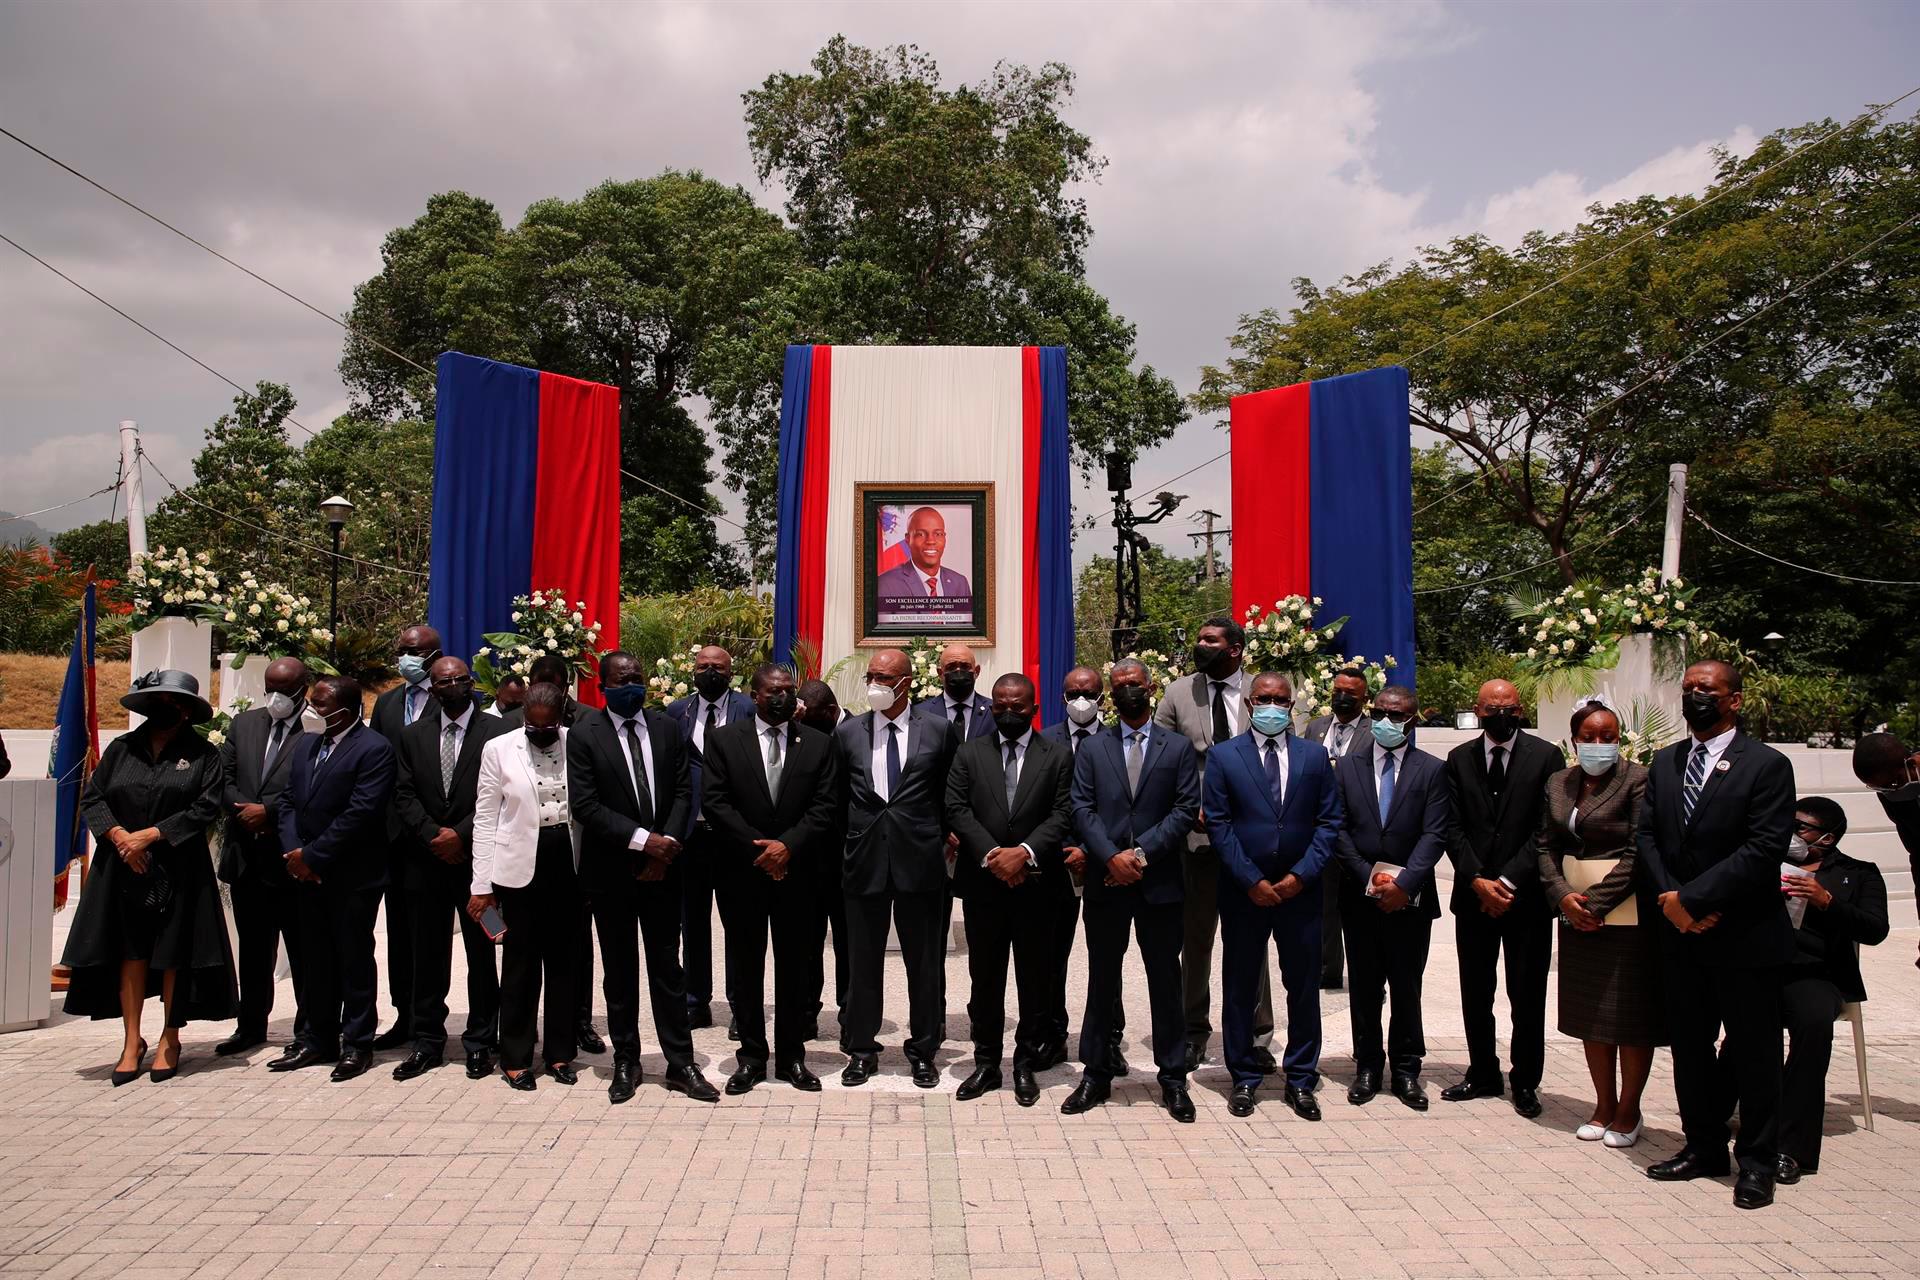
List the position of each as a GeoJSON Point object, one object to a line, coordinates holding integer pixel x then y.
{"type": "Point", "coordinates": [335, 511]}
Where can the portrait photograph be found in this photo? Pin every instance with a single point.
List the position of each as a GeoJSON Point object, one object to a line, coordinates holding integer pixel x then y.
{"type": "Point", "coordinates": [925, 562]}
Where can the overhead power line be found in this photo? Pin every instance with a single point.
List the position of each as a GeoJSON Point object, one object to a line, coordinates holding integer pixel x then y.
{"type": "Point", "coordinates": [1701, 520]}
{"type": "Point", "coordinates": [61, 506]}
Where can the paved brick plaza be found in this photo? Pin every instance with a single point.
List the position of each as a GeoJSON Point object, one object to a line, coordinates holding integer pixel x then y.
{"type": "Point", "coordinates": [231, 1171]}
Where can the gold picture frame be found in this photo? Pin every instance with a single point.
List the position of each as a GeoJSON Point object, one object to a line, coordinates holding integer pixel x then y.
{"type": "Point", "coordinates": [889, 513]}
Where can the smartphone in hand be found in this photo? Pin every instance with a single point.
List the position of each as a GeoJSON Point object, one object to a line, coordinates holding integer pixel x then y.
{"type": "Point", "coordinates": [493, 922]}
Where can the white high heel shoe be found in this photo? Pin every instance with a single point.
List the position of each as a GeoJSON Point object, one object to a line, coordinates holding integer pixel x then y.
{"type": "Point", "coordinates": [1616, 1139]}
{"type": "Point", "coordinates": [1590, 1132]}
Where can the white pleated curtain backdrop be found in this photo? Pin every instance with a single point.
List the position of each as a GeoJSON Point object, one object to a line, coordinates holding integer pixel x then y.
{"type": "Point", "coordinates": [910, 415]}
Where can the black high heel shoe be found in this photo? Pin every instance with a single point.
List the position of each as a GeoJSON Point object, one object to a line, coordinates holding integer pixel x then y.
{"type": "Point", "coordinates": [161, 1077]}
{"type": "Point", "coordinates": [128, 1077]}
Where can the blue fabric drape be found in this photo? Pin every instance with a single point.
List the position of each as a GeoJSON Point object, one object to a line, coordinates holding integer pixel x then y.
{"type": "Point", "coordinates": [795, 392]}
{"type": "Point", "coordinates": [1055, 520]}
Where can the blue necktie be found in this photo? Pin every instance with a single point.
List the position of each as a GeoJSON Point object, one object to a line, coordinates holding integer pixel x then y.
{"type": "Point", "coordinates": [1273, 773]}
{"type": "Point", "coordinates": [893, 761]}
{"type": "Point", "coordinates": [1386, 788]}
{"type": "Point", "coordinates": [1696, 779]}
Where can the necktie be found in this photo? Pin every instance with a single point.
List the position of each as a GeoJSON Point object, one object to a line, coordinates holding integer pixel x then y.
{"type": "Point", "coordinates": [1497, 771]}
{"type": "Point", "coordinates": [449, 752]}
{"type": "Point", "coordinates": [1340, 734]}
{"type": "Point", "coordinates": [274, 744]}
{"type": "Point", "coordinates": [960, 720]}
{"type": "Point", "coordinates": [326, 749]}
{"type": "Point", "coordinates": [1136, 757]}
{"type": "Point", "coordinates": [1386, 787]}
{"type": "Point", "coordinates": [1222, 727]}
{"type": "Point", "coordinates": [1013, 772]}
{"type": "Point", "coordinates": [708, 726]}
{"type": "Point", "coordinates": [893, 760]}
{"type": "Point", "coordinates": [933, 586]}
{"type": "Point", "coordinates": [1696, 779]}
{"type": "Point", "coordinates": [413, 704]}
{"type": "Point", "coordinates": [641, 791]}
{"type": "Point", "coordinates": [1079, 736]}
{"type": "Point", "coordinates": [774, 763]}
{"type": "Point", "coordinates": [1273, 772]}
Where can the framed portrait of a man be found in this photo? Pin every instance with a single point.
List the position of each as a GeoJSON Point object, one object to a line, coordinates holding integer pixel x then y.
{"type": "Point", "coordinates": [924, 562]}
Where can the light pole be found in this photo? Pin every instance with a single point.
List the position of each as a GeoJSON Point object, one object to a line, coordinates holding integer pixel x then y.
{"type": "Point", "coordinates": [336, 510]}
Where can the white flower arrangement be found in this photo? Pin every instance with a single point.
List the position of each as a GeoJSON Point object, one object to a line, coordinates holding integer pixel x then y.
{"type": "Point", "coordinates": [546, 623]}
{"type": "Point", "coordinates": [1582, 626]}
{"type": "Point", "coordinates": [672, 678]}
{"type": "Point", "coordinates": [171, 584]}
{"type": "Point", "coordinates": [255, 617]}
{"type": "Point", "coordinates": [1283, 637]}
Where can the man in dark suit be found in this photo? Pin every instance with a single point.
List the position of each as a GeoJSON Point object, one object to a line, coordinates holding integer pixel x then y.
{"type": "Point", "coordinates": [393, 711]}
{"type": "Point", "coordinates": [713, 705]}
{"type": "Point", "coordinates": [1498, 783]}
{"type": "Point", "coordinates": [256, 758]}
{"type": "Point", "coordinates": [958, 702]}
{"type": "Point", "coordinates": [1883, 763]}
{"type": "Point", "coordinates": [629, 789]}
{"type": "Point", "coordinates": [1136, 791]}
{"type": "Point", "coordinates": [1713, 832]}
{"type": "Point", "coordinates": [1397, 811]}
{"type": "Point", "coordinates": [923, 574]}
{"type": "Point", "coordinates": [895, 760]}
{"type": "Point", "coordinates": [771, 788]}
{"type": "Point", "coordinates": [1008, 800]}
{"type": "Point", "coordinates": [332, 819]}
{"type": "Point", "coordinates": [1084, 692]}
{"type": "Point", "coordinates": [820, 709]}
{"type": "Point", "coordinates": [1343, 728]}
{"type": "Point", "coordinates": [438, 783]}
{"type": "Point", "coordinates": [1273, 812]}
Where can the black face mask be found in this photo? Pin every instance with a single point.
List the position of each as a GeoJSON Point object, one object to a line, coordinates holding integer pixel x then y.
{"type": "Point", "coordinates": [1206, 657]}
{"type": "Point", "coordinates": [1012, 723]}
{"type": "Point", "coordinates": [777, 708]}
{"type": "Point", "coordinates": [712, 684]}
{"type": "Point", "coordinates": [454, 702]}
{"type": "Point", "coordinates": [958, 684]}
{"type": "Point", "coordinates": [1500, 725]}
{"type": "Point", "coordinates": [1346, 705]}
{"type": "Point", "coordinates": [1131, 700]}
{"type": "Point", "coordinates": [1700, 709]}
{"type": "Point", "coordinates": [165, 715]}
{"type": "Point", "coordinates": [544, 737]}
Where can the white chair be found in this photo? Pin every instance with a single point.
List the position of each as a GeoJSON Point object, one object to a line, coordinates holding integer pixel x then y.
{"type": "Point", "coordinates": [1850, 1012]}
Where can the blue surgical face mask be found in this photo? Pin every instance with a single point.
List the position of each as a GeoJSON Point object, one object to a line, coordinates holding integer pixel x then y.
{"type": "Point", "coordinates": [1597, 757]}
{"type": "Point", "coordinates": [1389, 735]}
{"type": "Point", "coordinates": [626, 700]}
{"type": "Point", "coordinates": [413, 668]}
{"type": "Point", "coordinates": [1272, 721]}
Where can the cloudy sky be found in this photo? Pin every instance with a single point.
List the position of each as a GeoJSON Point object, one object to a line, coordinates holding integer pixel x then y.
{"type": "Point", "coordinates": [1249, 144]}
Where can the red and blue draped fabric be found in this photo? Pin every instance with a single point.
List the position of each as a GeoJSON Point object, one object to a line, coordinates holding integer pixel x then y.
{"type": "Point", "coordinates": [1323, 506]}
{"type": "Point", "coordinates": [1036, 635]}
{"type": "Point", "coordinates": [76, 744]}
{"type": "Point", "coordinates": [526, 495]}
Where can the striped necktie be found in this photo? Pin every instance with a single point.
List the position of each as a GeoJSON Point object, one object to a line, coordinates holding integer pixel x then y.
{"type": "Point", "coordinates": [1696, 779]}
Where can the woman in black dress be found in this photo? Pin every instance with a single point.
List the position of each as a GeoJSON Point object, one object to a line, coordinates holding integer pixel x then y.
{"type": "Point", "coordinates": [149, 921]}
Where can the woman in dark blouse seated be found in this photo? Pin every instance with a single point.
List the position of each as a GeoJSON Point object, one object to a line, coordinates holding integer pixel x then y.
{"type": "Point", "coordinates": [149, 921]}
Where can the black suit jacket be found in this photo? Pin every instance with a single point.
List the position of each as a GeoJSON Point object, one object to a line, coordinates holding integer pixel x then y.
{"type": "Point", "coordinates": [603, 801]}
{"type": "Point", "coordinates": [1156, 819]}
{"type": "Point", "coordinates": [1857, 917]}
{"type": "Point", "coordinates": [1041, 816]}
{"type": "Point", "coordinates": [244, 855]}
{"type": "Point", "coordinates": [1415, 833]}
{"type": "Point", "coordinates": [900, 843]}
{"type": "Point", "coordinates": [421, 803]}
{"type": "Point", "coordinates": [336, 812]}
{"type": "Point", "coordinates": [1727, 858]}
{"type": "Point", "coordinates": [740, 809]}
{"type": "Point", "coordinates": [1495, 838]}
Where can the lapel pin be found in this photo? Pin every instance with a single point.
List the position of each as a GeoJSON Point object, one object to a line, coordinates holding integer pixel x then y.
{"type": "Point", "coordinates": [1723, 766]}
{"type": "Point", "coordinates": [181, 766]}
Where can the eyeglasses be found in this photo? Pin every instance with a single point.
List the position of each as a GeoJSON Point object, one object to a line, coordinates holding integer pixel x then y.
{"type": "Point", "coordinates": [453, 682]}
{"type": "Point", "coordinates": [1808, 826]}
{"type": "Point", "coordinates": [1397, 717]}
{"type": "Point", "coordinates": [1285, 704]}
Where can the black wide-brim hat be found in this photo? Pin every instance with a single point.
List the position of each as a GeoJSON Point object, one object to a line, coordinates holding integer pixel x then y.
{"type": "Point", "coordinates": [148, 690]}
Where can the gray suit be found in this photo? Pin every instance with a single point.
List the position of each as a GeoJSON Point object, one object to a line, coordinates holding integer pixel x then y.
{"type": "Point", "coordinates": [1332, 952]}
{"type": "Point", "coordinates": [1187, 708]}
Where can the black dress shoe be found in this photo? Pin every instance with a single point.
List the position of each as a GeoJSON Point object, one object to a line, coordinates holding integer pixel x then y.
{"type": "Point", "coordinates": [418, 1063]}
{"type": "Point", "coordinates": [302, 1056]}
{"type": "Point", "coordinates": [733, 1030]}
{"type": "Point", "coordinates": [1468, 1089]}
{"type": "Point", "coordinates": [1365, 1085]}
{"type": "Point", "coordinates": [1194, 1054]}
{"type": "Point", "coordinates": [1526, 1103]}
{"type": "Point", "coordinates": [479, 1065]}
{"type": "Point", "coordinates": [564, 1072]}
{"type": "Point", "coordinates": [689, 1081]}
{"type": "Point", "coordinates": [1408, 1090]}
{"type": "Point", "coordinates": [698, 1016]}
{"type": "Point", "coordinates": [1263, 1061]}
{"type": "Point", "coordinates": [925, 1074]}
{"type": "Point", "coordinates": [1787, 1170]}
{"type": "Point", "coordinates": [1241, 1102]}
{"type": "Point", "coordinates": [394, 1037]}
{"type": "Point", "coordinates": [1687, 1166]}
{"type": "Point", "coordinates": [293, 1050]}
{"type": "Point", "coordinates": [743, 1080]}
{"type": "Point", "coordinates": [1026, 1090]}
{"type": "Point", "coordinates": [1753, 1189]}
{"type": "Point", "coordinates": [525, 1081]}
{"type": "Point", "coordinates": [588, 1040]}
{"type": "Point", "coordinates": [239, 1042]}
{"type": "Point", "coordinates": [1052, 1056]}
{"type": "Point", "coordinates": [1117, 1062]}
{"type": "Point", "coordinates": [1086, 1095]}
{"type": "Point", "coordinates": [1178, 1102]}
{"type": "Point", "coordinates": [983, 1080]}
{"type": "Point", "coordinates": [858, 1071]}
{"type": "Point", "coordinates": [353, 1062]}
{"type": "Point", "coordinates": [626, 1079]}
{"type": "Point", "coordinates": [796, 1074]}
{"type": "Point", "coordinates": [1304, 1104]}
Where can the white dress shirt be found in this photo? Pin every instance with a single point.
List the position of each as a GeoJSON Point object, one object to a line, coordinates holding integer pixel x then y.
{"type": "Point", "coordinates": [1486, 757]}
{"type": "Point", "coordinates": [1716, 747]}
{"type": "Point", "coordinates": [1341, 737]}
{"type": "Point", "coordinates": [878, 765]}
{"type": "Point", "coordinates": [1279, 741]}
{"type": "Point", "coordinates": [1021, 744]}
{"type": "Point", "coordinates": [1399, 755]}
{"type": "Point", "coordinates": [460, 724]}
{"type": "Point", "coordinates": [414, 702]}
{"type": "Point", "coordinates": [1236, 699]}
{"type": "Point", "coordinates": [760, 731]}
{"type": "Point", "coordinates": [639, 724]}
{"type": "Point", "coordinates": [949, 706]}
{"type": "Point", "coordinates": [700, 708]}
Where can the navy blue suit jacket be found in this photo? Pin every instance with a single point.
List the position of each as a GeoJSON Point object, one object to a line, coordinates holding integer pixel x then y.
{"type": "Point", "coordinates": [336, 813]}
{"type": "Point", "coordinates": [1110, 817]}
{"type": "Point", "coordinates": [979, 713]}
{"type": "Point", "coordinates": [1254, 842]}
{"type": "Point", "coordinates": [739, 706]}
{"type": "Point", "coordinates": [1414, 835]}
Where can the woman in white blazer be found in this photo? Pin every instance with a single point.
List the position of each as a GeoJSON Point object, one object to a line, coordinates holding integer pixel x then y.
{"type": "Point", "coordinates": [526, 860]}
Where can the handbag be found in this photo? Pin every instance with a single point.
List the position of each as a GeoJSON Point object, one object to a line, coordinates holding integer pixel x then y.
{"type": "Point", "coordinates": [152, 892]}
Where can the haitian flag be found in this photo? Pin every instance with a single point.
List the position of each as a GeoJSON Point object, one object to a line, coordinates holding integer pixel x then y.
{"type": "Point", "coordinates": [1323, 506]}
{"type": "Point", "coordinates": [526, 496]}
{"type": "Point", "coordinates": [76, 745]}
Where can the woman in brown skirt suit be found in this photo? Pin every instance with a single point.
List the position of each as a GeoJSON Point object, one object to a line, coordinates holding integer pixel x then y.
{"type": "Point", "coordinates": [1609, 972]}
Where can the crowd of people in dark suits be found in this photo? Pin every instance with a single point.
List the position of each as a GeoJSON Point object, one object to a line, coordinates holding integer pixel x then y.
{"type": "Point", "coordinates": [1694, 896]}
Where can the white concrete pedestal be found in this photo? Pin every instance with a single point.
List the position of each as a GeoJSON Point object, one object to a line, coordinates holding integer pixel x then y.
{"type": "Point", "coordinates": [1638, 684]}
{"type": "Point", "coordinates": [173, 644]}
{"type": "Point", "coordinates": [248, 680]}
{"type": "Point", "coordinates": [26, 902]}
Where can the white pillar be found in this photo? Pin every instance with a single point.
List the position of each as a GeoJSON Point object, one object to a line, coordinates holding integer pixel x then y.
{"type": "Point", "coordinates": [1676, 517]}
{"type": "Point", "coordinates": [130, 489]}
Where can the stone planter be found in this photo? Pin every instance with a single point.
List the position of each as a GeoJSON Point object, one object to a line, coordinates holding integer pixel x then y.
{"type": "Point", "coordinates": [173, 644]}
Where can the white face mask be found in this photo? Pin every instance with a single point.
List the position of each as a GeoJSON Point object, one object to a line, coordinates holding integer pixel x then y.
{"type": "Point", "coordinates": [282, 707]}
{"type": "Point", "coordinates": [1082, 710]}
{"type": "Point", "coordinates": [880, 696]}
{"type": "Point", "coordinates": [1798, 850]}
